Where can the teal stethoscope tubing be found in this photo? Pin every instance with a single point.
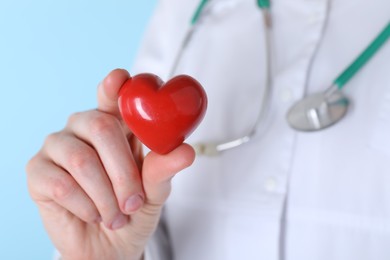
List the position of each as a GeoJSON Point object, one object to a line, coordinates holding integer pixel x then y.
{"type": "Point", "coordinates": [352, 69]}
{"type": "Point", "coordinates": [363, 58]}
{"type": "Point", "coordinates": [210, 149]}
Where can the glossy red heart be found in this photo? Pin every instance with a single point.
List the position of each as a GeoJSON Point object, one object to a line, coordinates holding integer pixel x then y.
{"type": "Point", "coordinates": [162, 115]}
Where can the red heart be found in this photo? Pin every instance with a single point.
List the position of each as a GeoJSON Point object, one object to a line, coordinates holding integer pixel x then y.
{"type": "Point", "coordinates": [162, 115]}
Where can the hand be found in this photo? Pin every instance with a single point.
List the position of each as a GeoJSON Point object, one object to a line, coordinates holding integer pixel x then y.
{"type": "Point", "coordinates": [97, 195]}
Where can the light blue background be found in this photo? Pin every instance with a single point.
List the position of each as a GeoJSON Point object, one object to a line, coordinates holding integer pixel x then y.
{"type": "Point", "coordinates": [52, 56]}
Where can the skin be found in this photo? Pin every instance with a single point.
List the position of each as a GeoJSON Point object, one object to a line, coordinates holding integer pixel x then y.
{"type": "Point", "coordinates": [98, 196]}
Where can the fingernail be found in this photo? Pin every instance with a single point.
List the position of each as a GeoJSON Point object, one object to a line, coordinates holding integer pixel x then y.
{"type": "Point", "coordinates": [119, 222]}
{"type": "Point", "coordinates": [134, 203]}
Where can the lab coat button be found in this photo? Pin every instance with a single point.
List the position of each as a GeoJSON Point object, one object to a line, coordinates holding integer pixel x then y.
{"type": "Point", "coordinates": [286, 95]}
{"type": "Point", "coordinates": [270, 184]}
{"type": "Point", "coordinates": [315, 18]}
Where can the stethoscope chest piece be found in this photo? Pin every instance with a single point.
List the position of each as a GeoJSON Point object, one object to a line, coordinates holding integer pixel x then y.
{"type": "Point", "coordinates": [321, 110]}
{"type": "Point", "coordinates": [312, 113]}
{"type": "Point", "coordinates": [318, 111]}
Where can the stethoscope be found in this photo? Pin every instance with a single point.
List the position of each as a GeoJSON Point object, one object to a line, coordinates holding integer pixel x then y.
{"type": "Point", "coordinates": [312, 113]}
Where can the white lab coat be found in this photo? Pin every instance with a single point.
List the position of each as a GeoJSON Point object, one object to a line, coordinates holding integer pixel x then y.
{"type": "Point", "coordinates": [285, 195]}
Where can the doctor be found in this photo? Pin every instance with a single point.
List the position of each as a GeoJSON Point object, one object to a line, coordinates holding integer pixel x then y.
{"type": "Point", "coordinates": [285, 194]}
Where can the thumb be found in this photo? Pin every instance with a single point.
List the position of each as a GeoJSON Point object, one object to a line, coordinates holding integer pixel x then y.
{"type": "Point", "coordinates": [108, 91]}
{"type": "Point", "coordinates": [158, 170]}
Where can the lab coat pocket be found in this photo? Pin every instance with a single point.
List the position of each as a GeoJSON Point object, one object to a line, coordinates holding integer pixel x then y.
{"type": "Point", "coordinates": [380, 139]}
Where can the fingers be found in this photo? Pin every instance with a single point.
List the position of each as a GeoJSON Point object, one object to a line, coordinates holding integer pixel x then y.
{"type": "Point", "coordinates": [105, 134]}
{"type": "Point", "coordinates": [158, 171]}
{"type": "Point", "coordinates": [48, 183]}
{"type": "Point", "coordinates": [108, 91]}
{"type": "Point", "coordinates": [84, 166]}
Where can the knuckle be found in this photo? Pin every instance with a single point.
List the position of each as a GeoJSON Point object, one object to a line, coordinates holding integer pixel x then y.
{"type": "Point", "coordinates": [126, 181]}
{"type": "Point", "coordinates": [31, 175]}
{"type": "Point", "coordinates": [103, 125]}
{"type": "Point", "coordinates": [81, 157]}
{"type": "Point", "coordinates": [32, 164]}
{"type": "Point", "coordinates": [88, 214]}
{"type": "Point", "coordinates": [34, 176]}
{"type": "Point", "coordinates": [51, 138]}
{"type": "Point", "coordinates": [120, 180]}
{"type": "Point", "coordinates": [73, 118]}
{"type": "Point", "coordinates": [62, 188]}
